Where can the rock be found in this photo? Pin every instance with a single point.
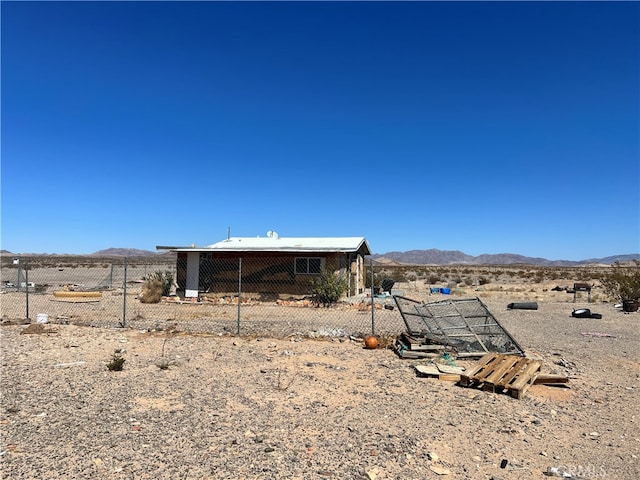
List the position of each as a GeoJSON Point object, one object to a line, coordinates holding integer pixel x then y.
{"type": "Point", "coordinates": [373, 473]}
{"type": "Point", "coordinates": [437, 469]}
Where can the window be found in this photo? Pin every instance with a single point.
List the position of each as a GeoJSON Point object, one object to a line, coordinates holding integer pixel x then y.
{"type": "Point", "coordinates": [309, 265]}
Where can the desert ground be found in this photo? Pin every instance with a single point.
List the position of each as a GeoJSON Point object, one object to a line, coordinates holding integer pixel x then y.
{"type": "Point", "coordinates": [217, 405]}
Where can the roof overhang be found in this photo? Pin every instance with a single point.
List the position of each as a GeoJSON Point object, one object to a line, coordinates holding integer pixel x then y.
{"type": "Point", "coordinates": [281, 245]}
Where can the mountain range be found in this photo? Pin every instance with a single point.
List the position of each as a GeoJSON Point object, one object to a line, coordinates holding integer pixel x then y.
{"type": "Point", "coordinates": [420, 257]}
{"type": "Point", "coordinates": [449, 257]}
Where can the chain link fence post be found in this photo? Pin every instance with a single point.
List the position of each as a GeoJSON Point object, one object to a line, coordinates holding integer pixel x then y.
{"type": "Point", "coordinates": [26, 285]}
{"type": "Point", "coordinates": [239, 290]}
{"type": "Point", "coordinates": [373, 301]}
{"type": "Point", "coordinates": [124, 296]}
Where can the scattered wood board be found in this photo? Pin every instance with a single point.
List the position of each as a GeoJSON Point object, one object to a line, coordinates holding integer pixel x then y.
{"type": "Point", "coordinates": [433, 372]}
{"type": "Point", "coordinates": [418, 344]}
{"type": "Point", "coordinates": [75, 294]}
{"type": "Point", "coordinates": [76, 300]}
{"type": "Point", "coordinates": [496, 372]}
{"type": "Point", "coordinates": [550, 379]}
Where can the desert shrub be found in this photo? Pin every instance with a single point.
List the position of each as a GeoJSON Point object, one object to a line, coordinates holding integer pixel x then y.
{"type": "Point", "coordinates": [377, 279]}
{"type": "Point", "coordinates": [156, 285]}
{"type": "Point", "coordinates": [117, 362]}
{"type": "Point", "coordinates": [482, 280]}
{"type": "Point", "coordinates": [398, 275]}
{"type": "Point", "coordinates": [623, 283]}
{"type": "Point", "coordinates": [329, 287]}
{"type": "Point", "coordinates": [151, 291]}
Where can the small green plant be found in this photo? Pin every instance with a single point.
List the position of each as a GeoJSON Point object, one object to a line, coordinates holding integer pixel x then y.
{"type": "Point", "coordinates": [623, 283]}
{"type": "Point", "coordinates": [329, 287]}
{"type": "Point", "coordinates": [117, 361]}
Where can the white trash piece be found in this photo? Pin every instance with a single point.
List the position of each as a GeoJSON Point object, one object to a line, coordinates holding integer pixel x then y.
{"type": "Point", "coordinates": [42, 318]}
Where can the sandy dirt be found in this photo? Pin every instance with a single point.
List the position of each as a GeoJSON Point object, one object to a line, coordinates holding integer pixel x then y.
{"type": "Point", "coordinates": [219, 406]}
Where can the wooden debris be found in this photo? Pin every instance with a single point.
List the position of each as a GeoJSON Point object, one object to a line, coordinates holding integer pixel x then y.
{"type": "Point", "coordinates": [75, 294]}
{"type": "Point", "coordinates": [497, 372]}
{"type": "Point", "coordinates": [418, 344]}
{"type": "Point", "coordinates": [550, 379]}
{"type": "Point", "coordinates": [448, 373]}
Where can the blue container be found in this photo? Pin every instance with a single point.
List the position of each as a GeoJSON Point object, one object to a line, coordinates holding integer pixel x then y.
{"type": "Point", "coordinates": [445, 291]}
{"type": "Point", "coordinates": [435, 290]}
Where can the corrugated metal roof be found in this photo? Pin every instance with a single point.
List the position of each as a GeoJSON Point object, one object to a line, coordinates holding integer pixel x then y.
{"type": "Point", "coordinates": [279, 244]}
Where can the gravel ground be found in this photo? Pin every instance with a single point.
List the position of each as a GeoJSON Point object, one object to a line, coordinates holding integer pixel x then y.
{"type": "Point", "coordinates": [225, 407]}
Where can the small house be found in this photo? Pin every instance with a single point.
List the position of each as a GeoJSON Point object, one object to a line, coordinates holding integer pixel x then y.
{"type": "Point", "coordinates": [268, 266]}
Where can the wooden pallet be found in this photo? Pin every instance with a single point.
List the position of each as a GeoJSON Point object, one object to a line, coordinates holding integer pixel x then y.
{"type": "Point", "coordinates": [497, 372]}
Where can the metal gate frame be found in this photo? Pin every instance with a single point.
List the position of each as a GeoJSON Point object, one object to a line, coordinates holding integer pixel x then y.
{"type": "Point", "coordinates": [466, 325]}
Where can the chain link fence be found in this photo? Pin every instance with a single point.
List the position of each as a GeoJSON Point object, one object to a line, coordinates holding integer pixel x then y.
{"type": "Point", "coordinates": [238, 297]}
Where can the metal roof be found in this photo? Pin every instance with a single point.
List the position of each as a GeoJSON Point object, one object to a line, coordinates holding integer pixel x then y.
{"type": "Point", "coordinates": [282, 244]}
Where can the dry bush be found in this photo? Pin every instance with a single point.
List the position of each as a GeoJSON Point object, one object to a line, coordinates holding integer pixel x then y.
{"type": "Point", "coordinates": [151, 291]}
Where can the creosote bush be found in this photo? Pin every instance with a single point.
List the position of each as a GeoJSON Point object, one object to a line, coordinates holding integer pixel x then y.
{"type": "Point", "coordinates": [623, 283]}
{"type": "Point", "coordinates": [117, 362]}
{"type": "Point", "coordinates": [329, 287]}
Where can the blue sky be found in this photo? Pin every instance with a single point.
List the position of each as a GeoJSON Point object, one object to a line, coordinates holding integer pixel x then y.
{"type": "Point", "coordinates": [507, 127]}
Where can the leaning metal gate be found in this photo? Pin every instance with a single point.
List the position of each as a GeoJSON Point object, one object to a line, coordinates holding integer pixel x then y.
{"type": "Point", "coordinates": [466, 325]}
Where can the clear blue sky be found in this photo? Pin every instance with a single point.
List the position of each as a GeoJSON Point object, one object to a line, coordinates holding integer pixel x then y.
{"type": "Point", "coordinates": [481, 127]}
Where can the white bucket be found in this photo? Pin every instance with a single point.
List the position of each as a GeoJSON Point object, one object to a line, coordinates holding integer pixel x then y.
{"type": "Point", "coordinates": [42, 318]}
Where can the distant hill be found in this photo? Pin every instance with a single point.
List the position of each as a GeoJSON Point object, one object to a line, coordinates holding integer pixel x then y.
{"type": "Point", "coordinates": [124, 252]}
{"type": "Point", "coordinates": [450, 257]}
{"type": "Point", "coordinates": [412, 257]}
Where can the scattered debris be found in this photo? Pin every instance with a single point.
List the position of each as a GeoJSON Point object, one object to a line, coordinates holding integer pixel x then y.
{"type": "Point", "coordinates": [523, 306]}
{"type": "Point", "coordinates": [596, 334]}
{"type": "Point", "coordinates": [550, 379]}
{"type": "Point", "coordinates": [70, 364]}
{"type": "Point", "coordinates": [446, 373]}
{"type": "Point", "coordinates": [407, 346]}
{"type": "Point", "coordinates": [558, 472]}
{"type": "Point", "coordinates": [371, 342]}
{"type": "Point", "coordinates": [439, 470]}
{"type": "Point", "coordinates": [76, 294]}
{"type": "Point", "coordinates": [630, 306]}
{"type": "Point", "coordinates": [585, 313]}
{"type": "Point", "coordinates": [464, 326]}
